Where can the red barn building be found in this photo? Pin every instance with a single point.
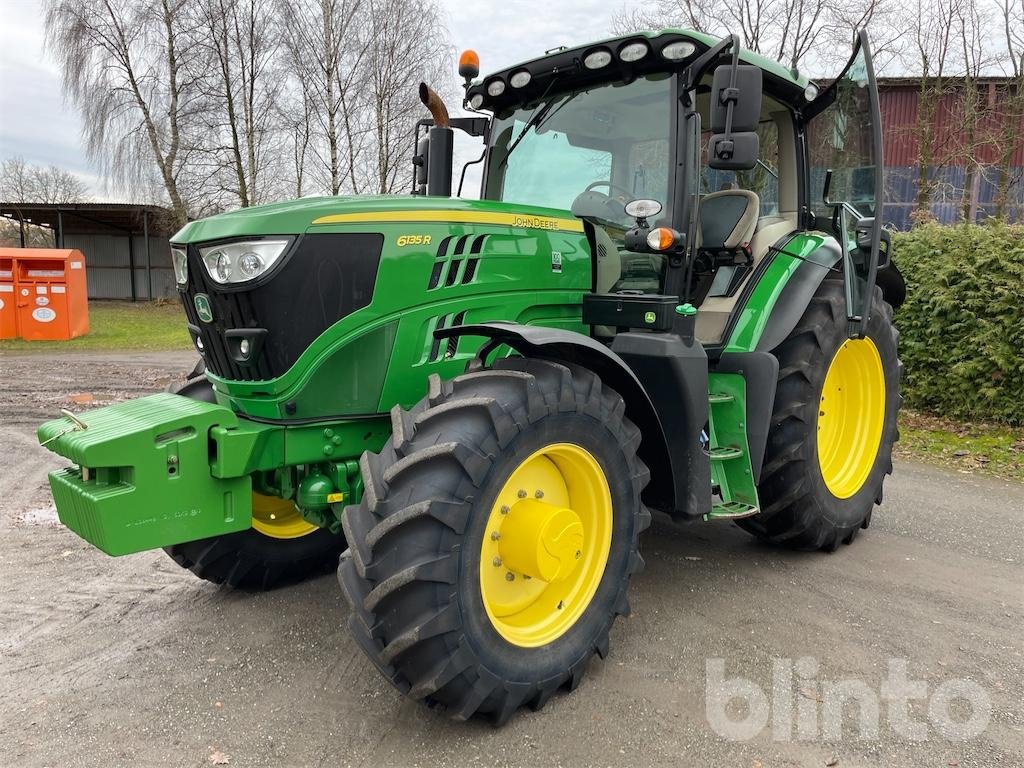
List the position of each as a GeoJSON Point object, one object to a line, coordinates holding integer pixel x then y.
{"type": "Point", "coordinates": [975, 143]}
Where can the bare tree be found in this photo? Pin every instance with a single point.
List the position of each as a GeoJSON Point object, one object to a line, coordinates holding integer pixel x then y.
{"type": "Point", "coordinates": [236, 102]}
{"type": "Point", "coordinates": [241, 37]}
{"type": "Point", "coordinates": [325, 57]}
{"type": "Point", "coordinates": [24, 183]}
{"type": "Point", "coordinates": [1011, 125]}
{"type": "Point", "coordinates": [297, 116]}
{"type": "Point", "coordinates": [406, 44]}
{"type": "Point", "coordinates": [969, 21]}
{"type": "Point", "coordinates": [129, 68]}
{"type": "Point", "coordinates": [931, 26]}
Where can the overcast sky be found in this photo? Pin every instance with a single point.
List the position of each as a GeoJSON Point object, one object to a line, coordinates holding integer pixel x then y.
{"type": "Point", "coordinates": [36, 124]}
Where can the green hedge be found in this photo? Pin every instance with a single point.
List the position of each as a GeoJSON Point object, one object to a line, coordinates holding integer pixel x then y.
{"type": "Point", "coordinates": [962, 326]}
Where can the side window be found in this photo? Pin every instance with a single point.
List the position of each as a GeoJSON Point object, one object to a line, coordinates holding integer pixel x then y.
{"type": "Point", "coordinates": [763, 179]}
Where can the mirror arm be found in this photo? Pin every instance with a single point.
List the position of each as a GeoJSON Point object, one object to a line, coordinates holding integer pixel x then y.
{"type": "Point", "coordinates": [697, 69]}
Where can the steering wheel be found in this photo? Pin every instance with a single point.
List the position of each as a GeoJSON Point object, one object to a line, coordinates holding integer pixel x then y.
{"type": "Point", "coordinates": [598, 205]}
{"type": "Point", "coordinates": [611, 188]}
{"type": "Point", "coordinates": [613, 203]}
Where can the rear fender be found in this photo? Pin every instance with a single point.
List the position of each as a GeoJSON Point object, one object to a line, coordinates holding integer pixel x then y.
{"type": "Point", "coordinates": [789, 305]}
{"type": "Point", "coordinates": [800, 288]}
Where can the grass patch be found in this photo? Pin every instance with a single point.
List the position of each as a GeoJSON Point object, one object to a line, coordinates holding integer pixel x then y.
{"type": "Point", "coordinates": [990, 449]}
{"type": "Point", "coordinates": [117, 326]}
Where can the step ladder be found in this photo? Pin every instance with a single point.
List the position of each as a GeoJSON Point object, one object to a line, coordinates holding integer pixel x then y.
{"type": "Point", "coordinates": [731, 472]}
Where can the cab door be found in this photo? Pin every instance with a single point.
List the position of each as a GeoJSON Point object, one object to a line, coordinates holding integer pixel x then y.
{"type": "Point", "coordinates": [844, 144]}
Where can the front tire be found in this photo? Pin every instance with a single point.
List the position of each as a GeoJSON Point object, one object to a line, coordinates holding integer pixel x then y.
{"type": "Point", "coordinates": [833, 426]}
{"type": "Point", "coordinates": [280, 549]}
{"type": "Point", "coordinates": [493, 547]}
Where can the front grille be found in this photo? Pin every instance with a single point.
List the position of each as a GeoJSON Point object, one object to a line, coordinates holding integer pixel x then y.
{"type": "Point", "coordinates": [324, 278]}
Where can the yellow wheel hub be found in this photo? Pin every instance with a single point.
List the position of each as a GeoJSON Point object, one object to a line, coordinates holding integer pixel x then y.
{"type": "Point", "coordinates": [278, 518]}
{"type": "Point", "coordinates": [851, 416]}
{"type": "Point", "coordinates": [546, 545]}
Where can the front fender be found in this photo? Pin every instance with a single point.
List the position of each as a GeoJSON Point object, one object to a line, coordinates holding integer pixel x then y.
{"type": "Point", "coordinates": [565, 346]}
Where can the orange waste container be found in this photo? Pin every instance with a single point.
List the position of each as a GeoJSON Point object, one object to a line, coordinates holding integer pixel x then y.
{"type": "Point", "coordinates": [49, 292]}
{"type": "Point", "coordinates": [8, 305]}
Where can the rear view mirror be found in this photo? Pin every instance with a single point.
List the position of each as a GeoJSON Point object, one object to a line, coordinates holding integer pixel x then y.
{"type": "Point", "coordinates": [735, 152]}
{"type": "Point", "coordinates": [745, 96]}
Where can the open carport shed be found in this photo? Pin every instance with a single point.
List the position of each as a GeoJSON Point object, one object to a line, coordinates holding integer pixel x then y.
{"type": "Point", "coordinates": [126, 246]}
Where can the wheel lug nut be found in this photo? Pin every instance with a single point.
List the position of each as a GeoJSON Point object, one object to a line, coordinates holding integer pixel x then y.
{"type": "Point", "coordinates": [521, 494]}
{"type": "Point", "coordinates": [495, 535]}
{"type": "Point", "coordinates": [504, 509]}
{"type": "Point", "coordinates": [496, 562]}
{"type": "Point", "coordinates": [578, 553]}
{"type": "Point", "coordinates": [539, 494]}
{"type": "Point", "coordinates": [510, 576]}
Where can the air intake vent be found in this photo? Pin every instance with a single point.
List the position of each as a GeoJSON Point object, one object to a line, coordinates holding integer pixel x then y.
{"type": "Point", "coordinates": [451, 345]}
{"type": "Point", "coordinates": [456, 261]}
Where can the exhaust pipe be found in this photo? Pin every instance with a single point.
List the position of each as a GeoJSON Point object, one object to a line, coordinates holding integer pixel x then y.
{"type": "Point", "coordinates": [435, 104]}
{"type": "Point", "coordinates": [440, 145]}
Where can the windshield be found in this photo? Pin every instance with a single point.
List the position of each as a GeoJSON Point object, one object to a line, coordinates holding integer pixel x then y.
{"type": "Point", "coordinates": [589, 151]}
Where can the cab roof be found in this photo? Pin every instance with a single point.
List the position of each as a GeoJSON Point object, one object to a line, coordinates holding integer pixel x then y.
{"type": "Point", "coordinates": [566, 64]}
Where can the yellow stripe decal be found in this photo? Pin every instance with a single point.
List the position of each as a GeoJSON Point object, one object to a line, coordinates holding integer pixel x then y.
{"type": "Point", "coordinates": [457, 217]}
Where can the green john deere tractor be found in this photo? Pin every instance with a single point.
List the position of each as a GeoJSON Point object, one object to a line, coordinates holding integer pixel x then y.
{"type": "Point", "coordinates": [673, 294]}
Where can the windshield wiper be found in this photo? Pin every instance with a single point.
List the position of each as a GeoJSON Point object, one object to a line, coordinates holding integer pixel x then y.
{"type": "Point", "coordinates": [539, 116]}
{"type": "Point", "coordinates": [534, 120]}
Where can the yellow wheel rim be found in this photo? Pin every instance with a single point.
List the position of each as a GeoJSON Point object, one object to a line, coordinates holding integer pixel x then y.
{"type": "Point", "coordinates": [851, 416]}
{"type": "Point", "coordinates": [546, 545]}
{"type": "Point", "coordinates": [278, 518]}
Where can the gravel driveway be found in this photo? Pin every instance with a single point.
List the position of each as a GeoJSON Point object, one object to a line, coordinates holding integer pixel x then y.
{"type": "Point", "coordinates": [133, 662]}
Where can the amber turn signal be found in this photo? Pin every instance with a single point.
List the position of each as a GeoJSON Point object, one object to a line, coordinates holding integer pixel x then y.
{"type": "Point", "coordinates": [469, 64]}
{"type": "Point", "coordinates": [662, 238]}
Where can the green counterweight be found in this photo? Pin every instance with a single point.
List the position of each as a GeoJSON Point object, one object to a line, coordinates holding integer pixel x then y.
{"type": "Point", "coordinates": [167, 469]}
{"type": "Point", "coordinates": [143, 477]}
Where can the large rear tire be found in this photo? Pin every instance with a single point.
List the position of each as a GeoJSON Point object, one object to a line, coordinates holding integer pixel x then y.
{"type": "Point", "coordinates": [281, 548]}
{"type": "Point", "coordinates": [493, 547]}
{"type": "Point", "coordinates": [833, 426]}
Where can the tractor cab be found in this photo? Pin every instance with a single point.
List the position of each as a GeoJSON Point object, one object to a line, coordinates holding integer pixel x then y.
{"type": "Point", "coordinates": [736, 151]}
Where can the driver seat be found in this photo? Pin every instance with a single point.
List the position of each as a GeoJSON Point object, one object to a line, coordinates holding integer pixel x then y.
{"type": "Point", "coordinates": [727, 219]}
{"type": "Point", "coordinates": [726, 222]}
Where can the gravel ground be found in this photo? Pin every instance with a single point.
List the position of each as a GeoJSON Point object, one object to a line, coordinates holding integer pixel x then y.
{"type": "Point", "coordinates": [133, 662]}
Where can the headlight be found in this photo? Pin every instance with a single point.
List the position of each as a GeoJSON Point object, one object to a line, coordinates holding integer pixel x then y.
{"type": "Point", "coordinates": [180, 260]}
{"type": "Point", "coordinates": [520, 79]}
{"type": "Point", "coordinates": [678, 50]}
{"type": "Point", "coordinates": [476, 101]}
{"type": "Point", "coordinates": [242, 261]}
{"type": "Point", "coordinates": [633, 51]}
{"type": "Point", "coordinates": [597, 59]}
{"type": "Point", "coordinates": [496, 87]}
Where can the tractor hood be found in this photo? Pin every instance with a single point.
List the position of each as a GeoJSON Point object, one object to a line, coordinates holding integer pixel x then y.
{"type": "Point", "coordinates": [298, 216]}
